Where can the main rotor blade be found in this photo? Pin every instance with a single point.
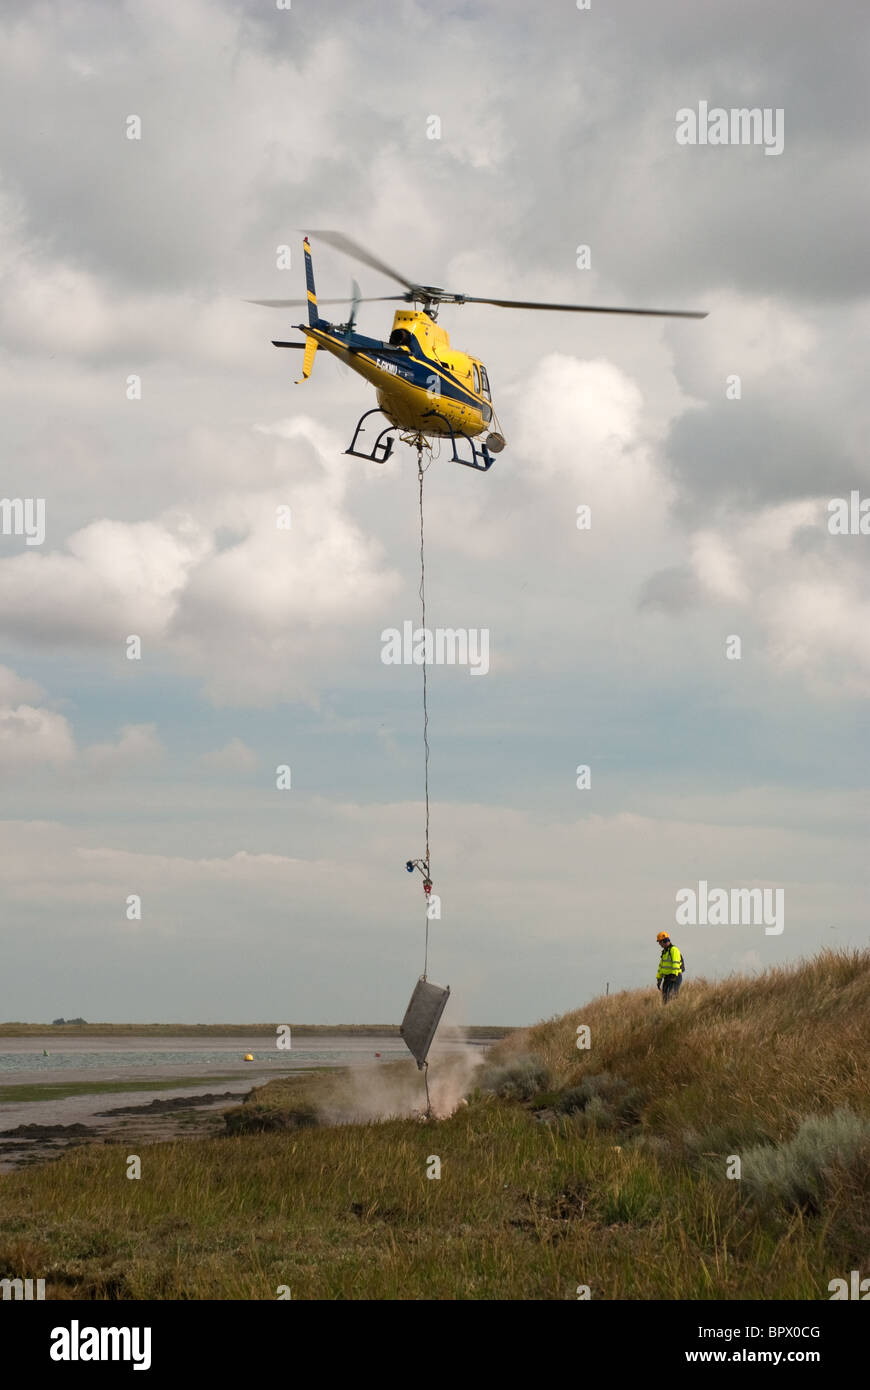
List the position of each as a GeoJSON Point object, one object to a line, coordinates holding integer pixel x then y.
{"type": "Point", "coordinates": [583, 308]}
{"type": "Point", "coordinates": [299, 303]}
{"type": "Point", "coordinates": [359, 253]}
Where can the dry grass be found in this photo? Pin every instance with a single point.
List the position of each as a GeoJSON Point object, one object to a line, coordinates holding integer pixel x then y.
{"type": "Point", "coordinates": [741, 1061]}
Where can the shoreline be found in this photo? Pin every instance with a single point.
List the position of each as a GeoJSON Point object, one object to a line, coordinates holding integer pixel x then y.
{"type": "Point", "coordinates": [91, 1118]}
{"type": "Point", "coordinates": [477, 1032]}
{"type": "Point", "coordinates": [138, 1090]}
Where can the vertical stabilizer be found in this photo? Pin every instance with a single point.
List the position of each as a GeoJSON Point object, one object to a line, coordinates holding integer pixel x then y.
{"type": "Point", "coordinates": [313, 316]}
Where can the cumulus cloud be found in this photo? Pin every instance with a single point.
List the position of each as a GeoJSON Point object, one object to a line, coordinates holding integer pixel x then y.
{"type": "Point", "coordinates": [137, 745]}
{"type": "Point", "coordinates": [708, 513]}
{"type": "Point", "coordinates": [14, 688]}
{"type": "Point", "coordinates": [33, 734]}
{"type": "Point", "coordinates": [244, 594]}
{"type": "Point", "coordinates": [30, 737]}
{"type": "Point", "coordinates": [113, 579]}
{"type": "Point", "coordinates": [811, 607]}
{"type": "Point", "coordinates": [235, 756]}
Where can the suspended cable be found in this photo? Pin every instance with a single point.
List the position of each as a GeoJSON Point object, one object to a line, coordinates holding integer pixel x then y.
{"type": "Point", "coordinates": [428, 861]}
{"type": "Point", "coordinates": [428, 1000]}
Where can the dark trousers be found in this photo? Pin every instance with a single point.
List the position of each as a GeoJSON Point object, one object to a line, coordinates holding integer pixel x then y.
{"type": "Point", "coordinates": [671, 987]}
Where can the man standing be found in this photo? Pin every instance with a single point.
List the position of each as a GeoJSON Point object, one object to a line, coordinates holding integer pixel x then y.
{"type": "Point", "coordinates": [670, 972]}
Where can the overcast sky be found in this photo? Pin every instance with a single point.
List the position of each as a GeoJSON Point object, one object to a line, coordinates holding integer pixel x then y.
{"type": "Point", "coordinates": [262, 647]}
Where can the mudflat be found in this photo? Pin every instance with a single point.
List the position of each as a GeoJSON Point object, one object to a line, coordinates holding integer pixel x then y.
{"type": "Point", "coordinates": [143, 1089]}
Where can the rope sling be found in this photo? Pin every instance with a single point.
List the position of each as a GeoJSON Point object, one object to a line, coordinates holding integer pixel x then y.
{"type": "Point", "coordinates": [427, 881]}
{"type": "Point", "coordinates": [428, 1000]}
{"type": "Point", "coordinates": [428, 861]}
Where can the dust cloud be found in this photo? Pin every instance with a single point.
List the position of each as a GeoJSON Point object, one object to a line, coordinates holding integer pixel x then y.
{"type": "Point", "coordinates": [398, 1090]}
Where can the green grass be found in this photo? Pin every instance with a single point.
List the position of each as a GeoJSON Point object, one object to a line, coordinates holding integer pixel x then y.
{"type": "Point", "coordinates": [629, 1197]}
{"type": "Point", "coordinates": [520, 1212]}
{"type": "Point", "coordinates": [60, 1090]}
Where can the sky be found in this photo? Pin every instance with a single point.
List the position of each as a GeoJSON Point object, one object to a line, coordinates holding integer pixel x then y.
{"type": "Point", "coordinates": [708, 453]}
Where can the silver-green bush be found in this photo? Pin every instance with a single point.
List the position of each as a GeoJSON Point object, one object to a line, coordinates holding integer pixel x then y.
{"type": "Point", "coordinates": [792, 1173]}
{"type": "Point", "coordinates": [519, 1079]}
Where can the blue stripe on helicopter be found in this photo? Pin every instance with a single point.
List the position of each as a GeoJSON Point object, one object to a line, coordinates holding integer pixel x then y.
{"type": "Point", "coordinates": [415, 371]}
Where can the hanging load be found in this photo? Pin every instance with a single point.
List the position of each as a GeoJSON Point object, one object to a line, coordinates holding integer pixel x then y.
{"type": "Point", "coordinates": [422, 1017]}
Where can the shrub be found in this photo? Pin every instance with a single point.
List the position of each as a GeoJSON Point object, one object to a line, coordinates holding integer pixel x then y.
{"type": "Point", "coordinates": [654, 1145]}
{"type": "Point", "coordinates": [596, 1114]}
{"type": "Point", "coordinates": [606, 1097]}
{"type": "Point", "coordinates": [792, 1173]}
{"type": "Point", "coordinates": [519, 1079]}
{"type": "Point", "coordinates": [255, 1119]}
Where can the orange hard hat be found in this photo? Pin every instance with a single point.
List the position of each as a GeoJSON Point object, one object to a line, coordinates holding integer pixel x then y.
{"type": "Point", "coordinates": [663, 936]}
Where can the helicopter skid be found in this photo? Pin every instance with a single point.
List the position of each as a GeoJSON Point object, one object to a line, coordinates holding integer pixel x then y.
{"type": "Point", "coordinates": [383, 445]}
{"type": "Point", "coordinates": [481, 459]}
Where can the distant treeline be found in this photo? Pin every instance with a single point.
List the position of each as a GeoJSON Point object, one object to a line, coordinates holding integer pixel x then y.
{"type": "Point", "coordinates": [220, 1030]}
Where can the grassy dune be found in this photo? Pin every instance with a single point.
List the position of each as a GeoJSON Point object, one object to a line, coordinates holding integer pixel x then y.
{"type": "Point", "coordinates": [604, 1168]}
{"type": "Point", "coordinates": [735, 1061]}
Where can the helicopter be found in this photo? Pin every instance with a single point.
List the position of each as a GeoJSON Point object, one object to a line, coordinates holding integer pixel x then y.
{"type": "Point", "coordinates": [426, 389]}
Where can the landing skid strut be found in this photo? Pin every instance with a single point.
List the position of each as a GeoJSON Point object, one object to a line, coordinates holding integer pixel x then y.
{"type": "Point", "coordinates": [382, 448]}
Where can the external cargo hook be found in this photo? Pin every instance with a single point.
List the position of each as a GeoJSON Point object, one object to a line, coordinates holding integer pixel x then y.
{"type": "Point", "coordinates": [412, 864]}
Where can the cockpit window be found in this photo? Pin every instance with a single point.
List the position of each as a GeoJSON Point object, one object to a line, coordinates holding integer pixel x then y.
{"type": "Point", "coordinates": [476, 378]}
{"type": "Point", "coordinates": [484, 381]}
{"type": "Point", "coordinates": [400, 337]}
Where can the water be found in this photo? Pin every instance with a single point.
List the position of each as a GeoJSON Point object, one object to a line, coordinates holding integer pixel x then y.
{"type": "Point", "coordinates": [194, 1064]}
{"type": "Point", "coordinates": [105, 1059]}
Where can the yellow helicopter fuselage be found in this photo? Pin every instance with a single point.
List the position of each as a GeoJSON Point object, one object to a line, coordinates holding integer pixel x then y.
{"type": "Point", "coordinates": [426, 389]}
{"type": "Point", "coordinates": [423, 385]}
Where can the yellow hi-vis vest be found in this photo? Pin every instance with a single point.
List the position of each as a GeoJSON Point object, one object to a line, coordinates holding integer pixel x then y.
{"type": "Point", "coordinates": [671, 962]}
